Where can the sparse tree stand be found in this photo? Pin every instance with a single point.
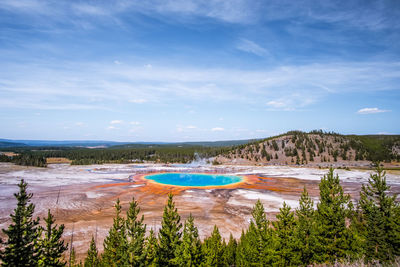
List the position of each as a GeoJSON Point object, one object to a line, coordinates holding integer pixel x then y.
{"type": "Point", "coordinates": [381, 218]}
{"type": "Point", "coordinates": [21, 246]}
{"type": "Point", "coordinates": [51, 245]}
{"type": "Point", "coordinates": [169, 235]}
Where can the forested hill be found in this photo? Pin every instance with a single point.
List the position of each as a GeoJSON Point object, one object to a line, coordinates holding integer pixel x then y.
{"type": "Point", "coordinates": [315, 147]}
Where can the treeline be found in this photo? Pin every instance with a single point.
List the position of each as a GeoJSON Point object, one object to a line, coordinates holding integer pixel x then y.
{"type": "Point", "coordinates": [335, 230]}
{"type": "Point", "coordinates": [25, 159]}
{"type": "Point", "coordinates": [156, 153]}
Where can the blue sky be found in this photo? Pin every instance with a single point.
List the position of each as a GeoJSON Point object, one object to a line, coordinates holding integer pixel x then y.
{"type": "Point", "coordinates": [185, 70]}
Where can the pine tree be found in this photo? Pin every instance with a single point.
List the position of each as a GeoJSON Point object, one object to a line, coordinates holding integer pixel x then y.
{"type": "Point", "coordinates": [333, 237]}
{"type": "Point", "coordinates": [51, 245]}
{"type": "Point", "coordinates": [136, 231]}
{"type": "Point", "coordinates": [213, 249]}
{"type": "Point", "coordinates": [151, 250]}
{"type": "Point", "coordinates": [189, 251]}
{"type": "Point", "coordinates": [92, 258]}
{"type": "Point", "coordinates": [285, 227]}
{"type": "Point", "coordinates": [21, 246]}
{"type": "Point", "coordinates": [169, 235]}
{"type": "Point", "coordinates": [257, 245]}
{"type": "Point", "coordinates": [115, 244]}
{"type": "Point", "coordinates": [230, 252]}
{"type": "Point", "coordinates": [72, 259]}
{"type": "Point", "coordinates": [381, 216]}
{"type": "Point", "coordinates": [305, 234]}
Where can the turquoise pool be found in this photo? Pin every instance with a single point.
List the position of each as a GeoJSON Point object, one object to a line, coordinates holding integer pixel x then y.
{"type": "Point", "coordinates": [194, 179]}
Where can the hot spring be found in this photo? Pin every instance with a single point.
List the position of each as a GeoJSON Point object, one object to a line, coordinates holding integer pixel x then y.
{"type": "Point", "coordinates": [194, 179]}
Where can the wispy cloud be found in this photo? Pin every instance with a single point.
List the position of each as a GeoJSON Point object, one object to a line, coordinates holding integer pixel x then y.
{"type": "Point", "coordinates": [116, 121]}
{"type": "Point", "coordinates": [95, 85]}
{"type": "Point", "coordinates": [217, 129]}
{"type": "Point", "coordinates": [251, 47]}
{"type": "Point", "coordinates": [364, 111]}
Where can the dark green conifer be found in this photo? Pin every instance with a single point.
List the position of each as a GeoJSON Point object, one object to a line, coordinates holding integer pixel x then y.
{"type": "Point", "coordinates": [72, 259]}
{"type": "Point", "coordinates": [213, 249]}
{"type": "Point", "coordinates": [20, 248]}
{"type": "Point", "coordinates": [135, 231]}
{"type": "Point", "coordinates": [333, 237]}
{"type": "Point", "coordinates": [92, 258]}
{"type": "Point", "coordinates": [304, 232]}
{"type": "Point", "coordinates": [257, 245]}
{"type": "Point", "coordinates": [230, 252]}
{"type": "Point", "coordinates": [115, 244]}
{"type": "Point", "coordinates": [287, 245]}
{"type": "Point", "coordinates": [189, 252]}
{"type": "Point", "coordinates": [169, 235]}
{"type": "Point", "coordinates": [50, 244]}
{"type": "Point", "coordinates": [151, 250]}
{"type": "Point", "coordinates": [381, 216]}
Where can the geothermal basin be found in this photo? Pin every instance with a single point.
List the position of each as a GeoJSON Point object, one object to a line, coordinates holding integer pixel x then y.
{"type": "Point", "coordinates": [83, 197]}
{"type": "Point", "coordinates": [194, 179]}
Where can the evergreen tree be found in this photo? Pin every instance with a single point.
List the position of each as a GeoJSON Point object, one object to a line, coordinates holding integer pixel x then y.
{"type": "Point", "coordinates": [230, 252]}
{"type": "Point", "coordinates": [92, 258]}
{"type": "Point", "coordinates": [169, 235]}
{"type": "Point", "coordinates": [21, 245]}
{"type": "Point", "coordinates": [136, 231]}
{"type": "Point", "coordinates": [190, 253]}
{"type": "Point", "coordinates": [257, 245]}
{"type": "Point", "coordinates": [151, 250]}
{"type": "Point", "coordinates": [381, 216]}
{"type": "Point", "coordinates": [72, 259]}
{"type": "Point", "coordinates": [333, 238]}
{"type": "Point", "coordinates": [285, 227]}
{"type": "Point", "coordinates": [115, 244]}
{"type": "Point", "coordinates": [213, 249]}
{"type": "Point", "coordinates": [50, 244]}
{"type": "Point", "coordinates": [305, 235]}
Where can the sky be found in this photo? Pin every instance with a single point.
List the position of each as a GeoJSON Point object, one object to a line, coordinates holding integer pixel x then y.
{"type": "Point", "coordinates": [197, 70]}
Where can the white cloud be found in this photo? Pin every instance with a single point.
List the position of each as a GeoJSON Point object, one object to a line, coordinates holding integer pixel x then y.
{"type": "Point", "coordinates": [79, 124]}
{"type": "Point", "coordinates": [217, 129]}
{"type": "Point", "coordinates": [187, 128]}
{"type": "Point", "coordinates": [371, 111]}
{"type": "Point", "coordinates": [251, 47]}
{"type": "Point", "coordinates": [101, 86]}
{"type": "Point", "coordinates": [116, 122]}
{"type": "Point", "coordinates": [138, 100]}
{"type": "Point", "coordinates": [111, 127]}
{"type": "Point", "coordinates": [134, 123]}
{"type": "Point", "coordinates": [292, 102]}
